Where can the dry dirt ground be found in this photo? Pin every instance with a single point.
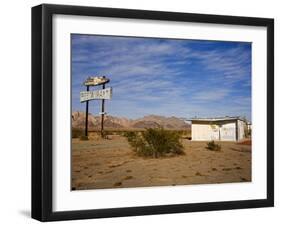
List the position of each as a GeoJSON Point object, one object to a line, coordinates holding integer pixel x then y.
{"type": "Point", "coordinates": [110, 163]}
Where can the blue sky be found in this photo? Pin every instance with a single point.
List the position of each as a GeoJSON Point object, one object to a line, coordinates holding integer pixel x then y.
{"type": "Point", "coordinates": [168, 77]}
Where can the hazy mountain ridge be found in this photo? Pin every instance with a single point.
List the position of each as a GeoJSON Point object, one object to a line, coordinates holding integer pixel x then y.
{"type": "Point", "coordinates": [113, 122]}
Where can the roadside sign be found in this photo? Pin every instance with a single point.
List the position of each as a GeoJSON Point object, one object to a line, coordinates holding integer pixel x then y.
{"type": "Point", "coordinates": [103, 94]}
{"type": "Point", "coordinates": [95, 81]}
{"type": "Point", "coordinates": [96, 95]}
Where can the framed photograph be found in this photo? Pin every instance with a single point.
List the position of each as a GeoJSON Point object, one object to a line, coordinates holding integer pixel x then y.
{"type": "Point", "coordinates": [145, 112]}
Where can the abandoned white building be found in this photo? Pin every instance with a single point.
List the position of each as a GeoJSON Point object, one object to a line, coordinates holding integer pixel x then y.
{"type": "Point", "coordinates": [218, 129]}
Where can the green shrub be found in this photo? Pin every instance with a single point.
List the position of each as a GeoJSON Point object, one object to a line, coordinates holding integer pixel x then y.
{"type": "Point", "coordinates": [155, 142]}
{"type": "Point", "coordinates": [213, 146]}
{"type": "Point", "coordinates": [131, 136]}
{"type": "Point", "coordinates": [76, 133]}
{"type": "Point", "coordinates": [185, 134]}
{"type": "Point", "coordinates": [83, 137]}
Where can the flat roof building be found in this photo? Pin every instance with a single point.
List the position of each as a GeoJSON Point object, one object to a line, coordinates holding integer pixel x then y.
{"type": "Point", "coordinates": [218, 129]}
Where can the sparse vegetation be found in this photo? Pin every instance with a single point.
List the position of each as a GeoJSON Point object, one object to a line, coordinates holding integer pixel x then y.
{"type": "Point", "coordinates": [242, 179]}
{"type": "Point", "coordinates": [213, 146]}
{"type": "Point", "coordinates": [117, 184]}
{"type": "Point", "coordinates": [83, 137]}
{"type": "Point", "coordinates": [76, 133]}
{"type": "Point", "coordinates": [155, 142]}
{"type": "Point", "coordinates": [198, 174]}
{"type": "Point", "coordinates": [128, 177]}
{"type": "Point", "coordinates": [184, 134]}
{"type": "Point", "coordinates": [100, 163]}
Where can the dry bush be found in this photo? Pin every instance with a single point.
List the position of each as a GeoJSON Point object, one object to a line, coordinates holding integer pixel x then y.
{"type": "Point", "coordinates": [83, 137]}
{"type": "Point", "coordinates": [76, 133]}
{"type": "Point", "coordinates": [212, 146]}
{"type": "Point", "coordinates": [155, 142]}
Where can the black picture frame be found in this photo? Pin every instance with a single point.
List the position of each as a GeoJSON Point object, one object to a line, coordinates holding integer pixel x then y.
{"type": "Point", "coordinates": [42, 111]}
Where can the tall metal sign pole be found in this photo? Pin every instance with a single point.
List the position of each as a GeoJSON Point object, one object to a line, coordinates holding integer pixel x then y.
{"type": "Point", "coordinates": [103, 94]}
{"type": "Point", "coordinates": [87, 110]}
{"type": "Point", "coordinates": [102, 113]}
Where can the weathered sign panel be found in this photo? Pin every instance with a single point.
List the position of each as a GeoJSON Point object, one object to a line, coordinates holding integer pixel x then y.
{"type": "Point", "coordinates": [96, 94]}
{"type": "Point", "coordinates": [95, 81]}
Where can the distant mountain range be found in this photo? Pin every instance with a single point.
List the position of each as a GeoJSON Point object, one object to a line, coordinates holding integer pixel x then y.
{"type": "Point", "coordinates": [112, 122]}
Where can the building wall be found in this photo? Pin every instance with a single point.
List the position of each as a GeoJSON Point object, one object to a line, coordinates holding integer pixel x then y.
{"type": "Point", "coordinates": [206, 131]}
{"type": "Point", "coordinates": [228, 131]}
{"type": "Point", "coordinates": [241, 129]}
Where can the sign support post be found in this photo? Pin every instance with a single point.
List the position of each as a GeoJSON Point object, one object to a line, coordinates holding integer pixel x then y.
{"type": "Point", "coordinates": [102, 113]}
{"type": "Point", "coordinates": [86, 96]}
{"type": "Point", "coordinates": [87, 110]}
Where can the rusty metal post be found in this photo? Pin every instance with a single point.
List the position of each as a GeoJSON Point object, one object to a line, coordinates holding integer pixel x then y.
{"type": "Point", "coordinates": [87, 109]}
{"type": "Point", "coordinates": [102, 113]}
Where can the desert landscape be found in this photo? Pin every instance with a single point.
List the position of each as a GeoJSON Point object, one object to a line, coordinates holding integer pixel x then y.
{"type": "Point", "coordinates": [99, 163]}
{"type": "Point", "coordinates": [110, 163]}
{"type": "Point", "coordinates": [159, 112]}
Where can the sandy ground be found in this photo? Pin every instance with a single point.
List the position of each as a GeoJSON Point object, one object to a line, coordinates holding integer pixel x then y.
{"type": "Point", "coordinates": [111, 163]}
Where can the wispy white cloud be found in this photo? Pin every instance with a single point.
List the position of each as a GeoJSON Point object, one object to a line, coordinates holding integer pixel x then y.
{"type": "Point", "coordinates": [233, 64]}
{"type": "Point", "coordinates": [213, 95]}
{"type": "Point", "coordinates": [161, 76]}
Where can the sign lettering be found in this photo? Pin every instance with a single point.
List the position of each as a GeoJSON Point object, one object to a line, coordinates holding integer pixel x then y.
{"type": "Point", "coordinates": [96, 95]}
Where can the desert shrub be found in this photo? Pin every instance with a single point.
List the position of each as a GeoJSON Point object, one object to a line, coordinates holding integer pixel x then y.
{"type": "Point", "coordinates": [155, 142]}
{"type": "Point", "coordinates": [135, 140]}
{"type": "Point", "coordinates": [76, 133]}
{"type": "Point", "coordinates": [213, 146]}
{"type": "Point", "coordinates": [118, 133]}
{"type": "Point", "coordinates": [186, 134]}
{"type": "Point", "coordinates": [83, 137]}
{"type": "Point", "coordinates": [130, 135]}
